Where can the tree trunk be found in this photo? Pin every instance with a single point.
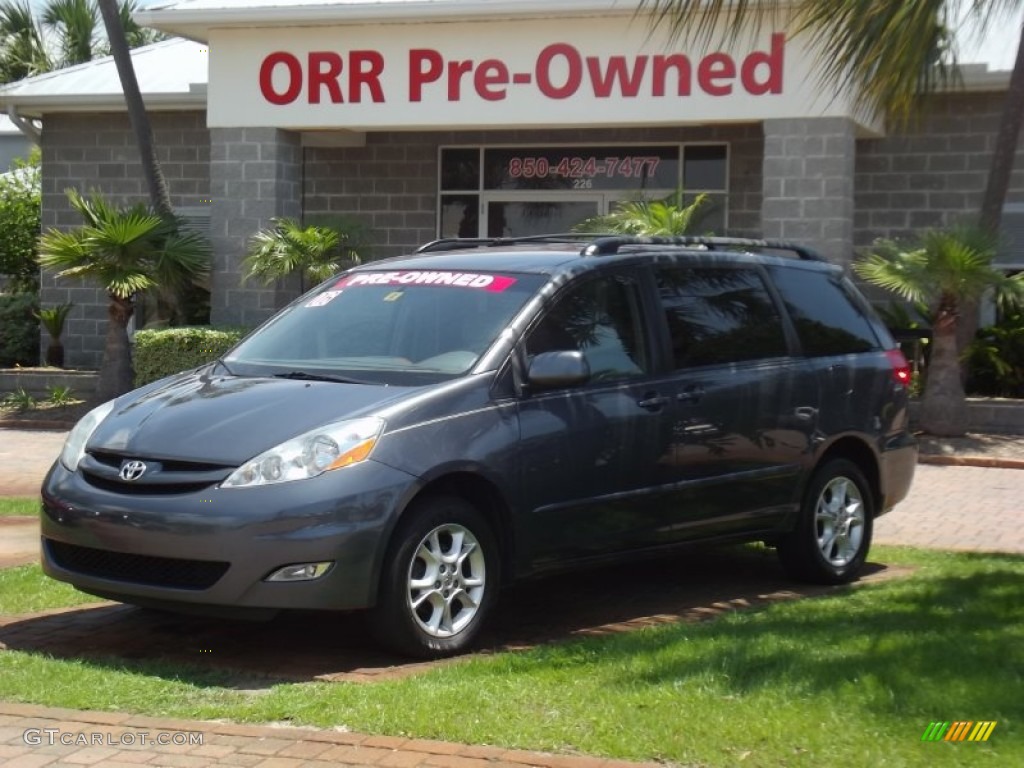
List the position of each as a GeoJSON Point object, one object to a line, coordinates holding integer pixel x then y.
{"type": "Point", "coordinates": [944, 405]}
{"type": "Point", "coordinates": [1005, 150]}
{"type": "Point", "coordinates": [116, 372]}
{"type": "Point", "coordinates": [158, 195]}
{"type": "Point", "coordinates": [1003, 155]}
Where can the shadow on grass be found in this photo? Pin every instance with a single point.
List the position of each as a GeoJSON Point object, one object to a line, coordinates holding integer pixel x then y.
{"type": "Point", "coordinates": [686, 586]}
{"type": "Point", "coordinates": [949, 646]}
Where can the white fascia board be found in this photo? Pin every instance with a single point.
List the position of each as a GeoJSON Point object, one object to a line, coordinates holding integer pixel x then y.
{"type": "Point", "coordinates": [38, 106]}
{"type": "Point", "coordinates": [195, 23]}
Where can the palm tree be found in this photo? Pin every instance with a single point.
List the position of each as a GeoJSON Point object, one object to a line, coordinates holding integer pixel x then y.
{"type": "Point", "coordinates": [286, 248]}
{"type": "Point", "coordinates": [666, 217]}
{"type": "Point", "coordinates": [127, 250]}
{"type": "Point", "coordinates": [62, 33]}
{"type": "Point", "coordinates": [21, 42]}
{"type": "Point", "coordinates": [886, 53]}
{"type": "Point", "coordinates": [76, 24]}
{"type": "Point", "coordinates": [113, 20]}
{"type": "Point", "coordinates": [947, 269]}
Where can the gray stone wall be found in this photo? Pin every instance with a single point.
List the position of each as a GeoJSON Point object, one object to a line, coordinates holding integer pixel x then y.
{"type": "Point", "coordinates": [931, 173]}
{"type": "Point", "coordinates": [390, 184]}
{"type": "Point", "coordinates": [97, 152]}
{"type": "Point", "coordinates": [808, 178]}
{"type": "Point", "coordinates": [255, 176]}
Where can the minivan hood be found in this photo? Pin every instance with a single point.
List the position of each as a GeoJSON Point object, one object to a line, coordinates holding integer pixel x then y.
{"type": "Point", "coordinates": [229, 419]}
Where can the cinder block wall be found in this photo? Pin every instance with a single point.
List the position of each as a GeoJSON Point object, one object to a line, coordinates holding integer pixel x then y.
{"type": "Point", "coordinates": [931, 173]}
{"type": "Point", "coordinates": [98, 152]}
{"type": "Point", "coordinates": [391, 183]}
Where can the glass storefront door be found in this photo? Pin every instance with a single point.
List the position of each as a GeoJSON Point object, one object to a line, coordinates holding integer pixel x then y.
{"type": "Point", "coordinates": [510, 217]}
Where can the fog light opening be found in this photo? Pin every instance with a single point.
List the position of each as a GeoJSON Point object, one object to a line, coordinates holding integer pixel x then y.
{"type": "Point", "coordinates": [300, 572]}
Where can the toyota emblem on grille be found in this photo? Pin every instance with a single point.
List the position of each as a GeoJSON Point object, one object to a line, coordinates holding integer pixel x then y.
{"type": "Point", "coordinates": [132, 470]}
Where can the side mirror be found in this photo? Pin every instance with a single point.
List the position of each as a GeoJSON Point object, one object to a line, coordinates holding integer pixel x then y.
{"type": "Point", "coordinates": [562, 368]}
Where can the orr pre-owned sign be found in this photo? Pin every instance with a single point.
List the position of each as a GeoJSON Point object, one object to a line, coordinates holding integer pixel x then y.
{"type": "Point", "coordinates": [499, 74]}
{"type": "Point", "coordinates": [559, 71]}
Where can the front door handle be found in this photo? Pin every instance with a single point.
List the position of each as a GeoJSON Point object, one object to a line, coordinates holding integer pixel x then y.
{"type": "Point", "coordinates": [692, 394]}
{"type": "Point", "coordinates": [653, 402]}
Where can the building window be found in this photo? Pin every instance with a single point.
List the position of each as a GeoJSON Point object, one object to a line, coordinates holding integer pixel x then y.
{"type": "Point", "coordinates": [518, 191]}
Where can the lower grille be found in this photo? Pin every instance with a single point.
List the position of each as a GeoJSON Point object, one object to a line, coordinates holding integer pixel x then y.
{"type": "Point", "coordinates": [171, 572]}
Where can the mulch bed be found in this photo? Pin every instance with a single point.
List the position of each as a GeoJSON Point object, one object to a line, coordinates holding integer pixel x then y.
{"type": "Point", "coordinates": [43, 416]}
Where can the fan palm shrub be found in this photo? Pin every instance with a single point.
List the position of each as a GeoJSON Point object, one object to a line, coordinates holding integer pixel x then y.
{"type": "Point", "coordinates": [666, 217]}
{"type": "Point", "coordinates": [126, 250]}
{"type": "Point", "coordinates": [53, 319]}
{"type": "Point", "coordinates": [946, 269]}
{"type": "Point", "coordinates": [286, 248]}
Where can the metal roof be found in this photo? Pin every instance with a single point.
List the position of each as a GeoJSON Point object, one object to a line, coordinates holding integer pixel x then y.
{"type": "Point", "coordinates": [172, 74]}
{"type": "Point", "coordinates": [195, 18]}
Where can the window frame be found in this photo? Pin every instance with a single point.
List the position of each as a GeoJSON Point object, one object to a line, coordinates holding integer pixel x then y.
{"type": "Point", "coordinates": [641, 281]}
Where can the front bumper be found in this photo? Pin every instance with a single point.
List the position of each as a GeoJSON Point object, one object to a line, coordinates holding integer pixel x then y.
{"type": "Point", "coordinates": [134, 547]}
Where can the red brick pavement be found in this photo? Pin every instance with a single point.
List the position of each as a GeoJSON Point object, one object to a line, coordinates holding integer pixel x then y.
{"type": "Point", "coordinates": [25, 456]}
{"type": "Point", "coordinates": [961, 508]}
{"type": "Point", "coordinates": [119, 740]}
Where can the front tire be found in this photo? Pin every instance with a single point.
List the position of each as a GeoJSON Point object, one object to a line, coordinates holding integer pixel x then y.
{"type": "Point", "coordinates": [439, 580]}
{"type": "Point", "coordinates": [833, 534]}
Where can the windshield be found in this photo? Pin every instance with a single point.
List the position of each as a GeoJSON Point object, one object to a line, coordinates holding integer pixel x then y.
{"type": "Point", "coordinates": [404, 327]}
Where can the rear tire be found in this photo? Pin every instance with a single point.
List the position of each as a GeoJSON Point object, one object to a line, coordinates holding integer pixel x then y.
{"type": "Point", "coordinates": [833, 534]}
{"type": "Point", "coordinates": [439, 580]}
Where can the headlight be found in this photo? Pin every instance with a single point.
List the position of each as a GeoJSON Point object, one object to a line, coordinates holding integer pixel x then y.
{"type": "Point", "coordinates": [74, 446]}
{"type": "Point", "coordinates": [329, 447]}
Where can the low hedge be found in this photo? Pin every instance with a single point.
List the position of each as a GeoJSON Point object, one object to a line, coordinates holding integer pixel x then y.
{"type": "Point", "coordinates": [165, 351]}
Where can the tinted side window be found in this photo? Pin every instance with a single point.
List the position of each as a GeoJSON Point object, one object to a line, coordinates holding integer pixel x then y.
{"type": "Point", "coordinates": [827, 318]}
{"type": "Point", "coordinates": [600, 318]}
{"type": "Point", "coordinates": [719, 315]}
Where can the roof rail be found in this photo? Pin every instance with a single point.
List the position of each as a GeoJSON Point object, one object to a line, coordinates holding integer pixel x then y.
{"type": "Point", "coordinates": [607, 246]}
{"type": "Point", "coordinates": [458, 243]}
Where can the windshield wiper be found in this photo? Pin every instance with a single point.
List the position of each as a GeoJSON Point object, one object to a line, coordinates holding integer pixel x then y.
{"type": "Point", "coordinates": [307, 376]}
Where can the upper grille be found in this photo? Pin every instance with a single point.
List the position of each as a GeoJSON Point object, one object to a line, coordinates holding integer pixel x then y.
{"type": "Point", "coordinates": [171, 572]}
{"type": "Point", "coordinates": [101, 469]}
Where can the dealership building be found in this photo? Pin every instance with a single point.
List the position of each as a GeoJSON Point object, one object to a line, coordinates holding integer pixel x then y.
{"type": "Point", "coordinates": [428, 118]}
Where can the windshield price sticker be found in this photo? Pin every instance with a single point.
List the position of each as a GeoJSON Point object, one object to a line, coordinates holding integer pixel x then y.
{"type": "Point", "coordinates": [577, 167]}
{"type": "Point", "coordinates": [324, 298]}
{"type": "Point", "coordinates": [483, 282]}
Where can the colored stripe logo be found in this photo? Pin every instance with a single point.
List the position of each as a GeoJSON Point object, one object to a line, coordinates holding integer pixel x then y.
{"type": "Point", "coordinates": [959, 730]}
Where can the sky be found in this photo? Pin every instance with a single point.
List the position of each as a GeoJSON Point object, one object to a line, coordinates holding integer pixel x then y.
{"type": "Point", "coordinates": [997, 49]}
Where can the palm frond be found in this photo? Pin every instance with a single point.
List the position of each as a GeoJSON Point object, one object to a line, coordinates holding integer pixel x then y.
{"type": "Point", "coordinates": [885, 53]}
{"type": "Point", "coordinates": [709, 22]}
{"type": "Point", "coordinates": [287, 248]}
{"type": "Point", "coordinates": [952, 264]}
{"type": "Point", "coordinates": [667, 217]}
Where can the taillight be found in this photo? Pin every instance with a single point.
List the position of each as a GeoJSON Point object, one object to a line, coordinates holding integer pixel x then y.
{"type": "Point", "coordinates": [900, 366]}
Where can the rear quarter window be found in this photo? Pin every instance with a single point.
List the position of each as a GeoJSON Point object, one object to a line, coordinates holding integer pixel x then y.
{"type": "Point", "coordinates": [825, 309]}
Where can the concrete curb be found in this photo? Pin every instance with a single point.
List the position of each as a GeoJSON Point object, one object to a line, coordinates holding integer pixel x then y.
{"type": "Point", "coordinates": [970, 461]}
{"type": "Point", "coordinates": [222, 740]}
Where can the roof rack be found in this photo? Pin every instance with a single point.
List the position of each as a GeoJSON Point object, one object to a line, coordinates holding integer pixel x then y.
{"type": "Point", "coordinates": [607, 246]}
{"type": "Point", "coordinates": [458, 243]}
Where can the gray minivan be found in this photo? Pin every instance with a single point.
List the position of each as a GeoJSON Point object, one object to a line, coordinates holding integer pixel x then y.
{"type": "Point", "coordinates": [414, 433]}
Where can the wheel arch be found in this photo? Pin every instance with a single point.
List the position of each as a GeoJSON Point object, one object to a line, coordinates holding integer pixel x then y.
{"type": "Point", "coordinates": [477, 490]}
{"type": "Point", "coordinates": [859, 452]}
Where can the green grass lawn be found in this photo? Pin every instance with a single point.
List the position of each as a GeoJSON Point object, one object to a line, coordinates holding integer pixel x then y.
{"type": "Point", "coordinates": [852, 679]}
{"type": "Point", "coordinates": [13, 505]}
